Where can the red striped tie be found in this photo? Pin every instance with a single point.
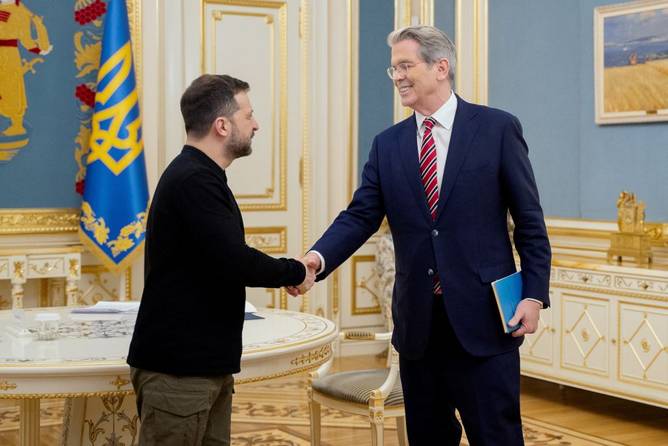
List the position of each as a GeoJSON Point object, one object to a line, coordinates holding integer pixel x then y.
{"type": "Point", "coordinates": [429, 175]}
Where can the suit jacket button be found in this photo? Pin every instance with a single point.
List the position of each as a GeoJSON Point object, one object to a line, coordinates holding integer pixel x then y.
{"type": "Point", "coordinates": [430, 272]}
{"type": "Point", "coordinates": [434, 233]}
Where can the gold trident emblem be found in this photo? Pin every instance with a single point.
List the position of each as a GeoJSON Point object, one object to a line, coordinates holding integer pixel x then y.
{"type": "Point", "coordinates": [102, 141]}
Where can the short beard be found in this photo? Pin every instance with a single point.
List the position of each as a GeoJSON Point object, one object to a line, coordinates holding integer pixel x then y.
{"type": "Point", "coordinates": [236, 146]}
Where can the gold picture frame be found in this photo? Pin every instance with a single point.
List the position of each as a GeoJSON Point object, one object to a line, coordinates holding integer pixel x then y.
{"type": "Point", "coordinates": [631, 62]}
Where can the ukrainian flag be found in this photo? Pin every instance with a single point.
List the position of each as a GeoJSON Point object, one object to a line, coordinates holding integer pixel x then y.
{"type": "Point", "coordinates": [115, 198]}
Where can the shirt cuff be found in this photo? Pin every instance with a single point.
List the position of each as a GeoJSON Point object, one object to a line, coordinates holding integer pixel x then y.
{"type": "Point", "coordinates": [322, 261]}
{"type": "Point", "coordinates": [536, 300]}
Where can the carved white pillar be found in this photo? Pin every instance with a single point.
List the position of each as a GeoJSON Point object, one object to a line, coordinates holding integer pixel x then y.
{"type": "Point", "coordinates": [17, 266]}
{"type": "Point", "coordinates": [73, 278]}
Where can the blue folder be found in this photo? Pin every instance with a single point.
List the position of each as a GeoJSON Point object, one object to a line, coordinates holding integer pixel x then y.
{"type": "Point", "coordinates": [508, 294]}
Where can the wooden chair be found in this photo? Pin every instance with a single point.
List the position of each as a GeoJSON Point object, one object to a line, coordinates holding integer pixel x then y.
{"type": "Point", "coordinates": [376, 393]}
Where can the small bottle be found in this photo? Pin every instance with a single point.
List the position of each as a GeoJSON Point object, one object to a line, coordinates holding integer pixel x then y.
{"type": "Point", "coordinates": [47, 326]}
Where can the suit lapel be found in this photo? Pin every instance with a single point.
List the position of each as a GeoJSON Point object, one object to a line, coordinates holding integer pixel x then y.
{"type": "Point", "coordinates": [464, 129]}
{"type": "Point", "coordinates": [409, 160]}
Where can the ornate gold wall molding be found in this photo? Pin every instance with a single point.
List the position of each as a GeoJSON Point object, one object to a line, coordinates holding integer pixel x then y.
{"type": "Point", "coordinates": [403, 10]}
{"type": "Point", "coordinates": [97, 283]}
{"type": "Point", "coordinates": [427, 12]}
{"type": "Point", "coordinates": [39, 221]}
{"type": "Point", "coordinates": [361, 282]}
{"type": "Point", "coordinates": [279, 115]}
{"type": "Point", "coordinates": [272, 240]}
{"type": "Point", "coordinates": [471, 40]}
{"type": "Point", "coordinates": [336, 293]}
{"type": "Point", "coordinates": [353, 79]}
{"type": "Point", "coordinates": [305, 161]}
{"type": "Point", "coordinates": [134, 20]}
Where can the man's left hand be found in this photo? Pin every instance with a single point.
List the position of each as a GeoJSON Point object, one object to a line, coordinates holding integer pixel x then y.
{"type": "Point", "coordinates": [527, 314]}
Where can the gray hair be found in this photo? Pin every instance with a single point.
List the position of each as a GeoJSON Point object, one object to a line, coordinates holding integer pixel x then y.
{"type": "Point", "coordinates": [434, 44]}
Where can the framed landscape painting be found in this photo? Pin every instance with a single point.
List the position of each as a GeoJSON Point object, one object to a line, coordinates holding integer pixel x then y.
{"type": "Point", "coordinates": [631, 62]}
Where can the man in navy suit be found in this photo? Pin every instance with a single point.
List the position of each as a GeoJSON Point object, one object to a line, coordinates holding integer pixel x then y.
{"type": "Point", "coordinates": [446, 178]}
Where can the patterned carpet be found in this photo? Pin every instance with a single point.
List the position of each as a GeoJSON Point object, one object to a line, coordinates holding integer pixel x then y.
{"type": "Point", "coordinates": [283, 402]}
{"type": "Point", "coordinates": [280, 408]}
{"type": "Point", "coordinates": [270, 437]}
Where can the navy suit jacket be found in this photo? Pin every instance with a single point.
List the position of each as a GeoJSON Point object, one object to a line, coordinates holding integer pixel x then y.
{"type": "Point", "coordinates": [487, 173]}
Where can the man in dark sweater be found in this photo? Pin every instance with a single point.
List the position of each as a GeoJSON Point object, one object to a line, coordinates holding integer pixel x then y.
{"type": "Point", "coordinates": [187, 339]}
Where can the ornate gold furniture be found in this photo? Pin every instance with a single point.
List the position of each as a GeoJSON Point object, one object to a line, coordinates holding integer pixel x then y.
{"type": "Point", "coordinates": [21, 264]}
{"type": "Point", "coordinates": [606, 331]}
{"type": "Point", "coordinates": [632, 240]}
{"type": "Point", "coordinates": [607, 328]}
{"type": "Point", "coordinates": [88, 360]}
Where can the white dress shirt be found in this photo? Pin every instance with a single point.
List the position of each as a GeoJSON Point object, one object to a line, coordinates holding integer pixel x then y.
{"type": "Point", "coordinates": [442, 132]}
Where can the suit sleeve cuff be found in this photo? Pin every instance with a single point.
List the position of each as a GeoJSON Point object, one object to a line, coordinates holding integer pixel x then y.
{"type": "Point", "coordinates": [322, 261]}
{"type": "Point", "coordinates": [542, 305]}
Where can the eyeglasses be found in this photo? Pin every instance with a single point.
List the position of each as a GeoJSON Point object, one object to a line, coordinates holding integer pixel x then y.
{"type": "Point", "coordinates": [401, 69]}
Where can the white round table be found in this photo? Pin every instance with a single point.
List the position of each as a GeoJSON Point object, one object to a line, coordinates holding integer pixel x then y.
{"type": "Point", "coordinates": [88, 357]}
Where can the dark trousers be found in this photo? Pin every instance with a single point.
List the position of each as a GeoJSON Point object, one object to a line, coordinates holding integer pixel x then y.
{"type": "Point", "coordinates": [183, 410]}
{"type": "Point", "coordinates": [485, 391]}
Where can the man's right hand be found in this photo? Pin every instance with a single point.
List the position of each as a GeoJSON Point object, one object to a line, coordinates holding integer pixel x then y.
{"type": "Point", "coordinates": [311, 262]}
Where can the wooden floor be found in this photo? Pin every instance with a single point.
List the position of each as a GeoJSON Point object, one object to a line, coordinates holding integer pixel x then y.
{"type": "Point", "coordinates": [602, 416]}
{"type": "Point", "coordinates": [275, 413]}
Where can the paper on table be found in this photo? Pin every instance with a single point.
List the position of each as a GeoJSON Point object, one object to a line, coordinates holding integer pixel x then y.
{"type": "Point", "coordinates": [250, 308]}
{"type": "Point", "coordinates": [105, 306]}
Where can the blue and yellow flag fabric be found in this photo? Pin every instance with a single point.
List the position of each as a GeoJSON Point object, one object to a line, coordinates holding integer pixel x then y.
{"type": "Point", "coordinates": [115, 198]}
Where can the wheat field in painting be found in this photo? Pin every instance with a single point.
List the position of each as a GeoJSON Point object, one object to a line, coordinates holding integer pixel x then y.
{"type": "Point", "coordinates": [637, 87]}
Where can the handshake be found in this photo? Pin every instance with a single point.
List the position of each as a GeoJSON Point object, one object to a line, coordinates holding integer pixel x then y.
{"type": "Point", "coordinates": [311, 262]}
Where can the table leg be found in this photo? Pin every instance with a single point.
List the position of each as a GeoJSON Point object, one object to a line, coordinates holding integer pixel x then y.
{"type": "Point", "coordinates": [29, 427]}
{"type": "Point", "coordinates": [74, 422]}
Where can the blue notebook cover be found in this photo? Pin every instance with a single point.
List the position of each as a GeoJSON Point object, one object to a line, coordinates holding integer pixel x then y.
{"type": "Point", "coordinates": [508, 293]}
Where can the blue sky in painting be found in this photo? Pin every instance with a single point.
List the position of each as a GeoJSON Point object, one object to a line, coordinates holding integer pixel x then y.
{"type": "Point", "coordinates": [646, 27]}
{"type": "Point", "coordinates": [636, 38]}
